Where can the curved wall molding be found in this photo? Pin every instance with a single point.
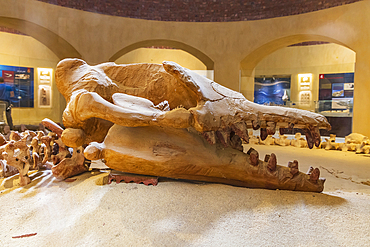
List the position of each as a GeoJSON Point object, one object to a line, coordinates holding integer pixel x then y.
{"type": "Point", "coordinates": [55, 43]}
{"type": "Point", "coordinates": [166, 43]}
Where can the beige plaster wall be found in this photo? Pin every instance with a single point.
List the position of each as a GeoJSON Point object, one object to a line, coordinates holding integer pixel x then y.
{"type": "Point", "coordinates": [314, 59]}
{"type": "Point", "coordinates": [235, 47]}
{"type": "Point", "coordinates": [25, 51]}
{"type": "Point", "coordinates": [154, 55]}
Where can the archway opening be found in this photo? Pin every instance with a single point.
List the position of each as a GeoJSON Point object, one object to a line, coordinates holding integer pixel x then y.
{"type": "Point", "coordinates": [157, 51]}
{"type": "Point", "coordinates": [317, 75]}
{"type": "Point", "coordinates": [27, 67]}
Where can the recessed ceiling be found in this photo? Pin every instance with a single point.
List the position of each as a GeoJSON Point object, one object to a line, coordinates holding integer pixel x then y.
{"type": "Point", "coordinates": [200, 10]}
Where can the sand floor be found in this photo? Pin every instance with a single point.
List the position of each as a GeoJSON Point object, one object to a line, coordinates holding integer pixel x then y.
{"type": "Point", "coordinates": [88, 212]}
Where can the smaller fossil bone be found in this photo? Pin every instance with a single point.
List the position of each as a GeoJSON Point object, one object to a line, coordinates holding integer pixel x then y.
{"type": "Point", "coordinates": [69, 167]}
{"type": "Point", "coordinates": [282, 140]}
{"type": "Point", "coordinates": [16, 154]}
{"type": "Point", "coordinates": [268, 141]}
{"type": "Point", "coordinates": [253, 139]}
{"type": "Point", "coordinates": [53, 127]}
{"type": "Point", "coordinates": [299, 141]}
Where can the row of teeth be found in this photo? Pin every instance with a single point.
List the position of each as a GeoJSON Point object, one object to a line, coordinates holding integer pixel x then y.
{"type": "Point", "coordinates": [227, 136]}
{"type": "Point", "coordinates": [314, 173]}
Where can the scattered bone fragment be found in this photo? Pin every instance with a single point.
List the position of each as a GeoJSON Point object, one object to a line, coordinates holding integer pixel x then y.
{"type": "Point", "coordinates": [330, 143]}
{"type": "Point", "coordinates": [6, 170]}
{"type": "Point", "coordinates": [268, 141]}
{"type": "Point", "coordinates": [282, 140]}
{"type": "Point", "coordinates": [15, 136]}
{"type": "Point", "coordinates": [16, 154]}
{"type": "Point", "coordinates": [253, 139]}
{"type": "Point", "coordinates": [53, 126]}
{"type": "Point", "coordinates": [59, 151]}
{"type": "Point", "coordinates": [7, 132]}
{"type": "Point", "coordinates": [69, 167]}
{"type": "Point", "coordinates": [299, 141]}
{"type": "Point", "coordinates": [2, 140]}
{"type": "Point", "coordinates": [357, 139]}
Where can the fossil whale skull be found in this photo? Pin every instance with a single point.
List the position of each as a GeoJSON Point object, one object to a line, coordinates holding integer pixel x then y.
{"type": "Point", "coordinates": [149, 99]}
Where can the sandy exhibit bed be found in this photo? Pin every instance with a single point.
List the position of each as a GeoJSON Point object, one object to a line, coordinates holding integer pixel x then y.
{"type": "Point", "coordinates": [89, 212]}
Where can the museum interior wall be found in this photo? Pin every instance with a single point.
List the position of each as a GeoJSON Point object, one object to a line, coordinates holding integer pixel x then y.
{"type": "Point", "coordinates": [312, 59]}
{"type": "Point", "coordinates": [25, 51]}
{"type": "Point", "coordinates": [160, 54]}
{"type": "Point", "coordinates": [233, 49]}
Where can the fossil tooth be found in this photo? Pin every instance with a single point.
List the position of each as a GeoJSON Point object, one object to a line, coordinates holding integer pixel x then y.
{"type": "Point", "coordinates": [263, 134]}
{"type": "Point", "coordinates": [210, 136]}
{"type": "Point", "coordinates": [256, 124]}
{"type": "Point", "coordinates": [235, 141]}
{"type": "Point", "coordinates": [223, 136]}
{"type": "Point", "coordinates": [272, 162]}
{"type": "Point", "coordinates": [309, 138]}
{"type": "Point", "coordinates": [254, 157]}
{"type": "Point", "coordinates": [271, 128]}
{"type": "Point", "coordinates": [240, 128]}
{"type": "Point", "coordinates": [293, 167]}
{"type": "Point", "coordinates": [315, 133]}
{"type": "Point", "coordinates": [314, 176]}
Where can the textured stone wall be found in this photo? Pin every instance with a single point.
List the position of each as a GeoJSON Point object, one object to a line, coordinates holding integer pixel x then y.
{"type": "Point", "coordinates": [200, 10]}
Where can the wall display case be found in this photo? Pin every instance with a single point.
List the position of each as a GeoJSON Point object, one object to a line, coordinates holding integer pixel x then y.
{"type": "Point", "coordinates": [336, 93]}
{"type": "Point", "coordinates": [336, 101]}
{"type": "Point", "coordinates": [18, 85]}
{"type": "Point", "coordinates": [272, 89]}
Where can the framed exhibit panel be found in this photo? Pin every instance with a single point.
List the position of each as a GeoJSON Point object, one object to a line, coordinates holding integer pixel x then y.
{"type": "Point", "coordinates": [336, 91]}
{"type": "Point", "coordinates": [44, 78]}
{"type": "Point", "coordinates": [45, 98]}
{"type": "Point", "coordinates": [305, 82]}
{"type": "Point", "coordinates": [305, 98]}
{"type": "Point", "coordinates": [44, 75]}
{"type": "Point", "coordinates": [270, 90]}
{"type": "Point", "coordinates": [18, 86]}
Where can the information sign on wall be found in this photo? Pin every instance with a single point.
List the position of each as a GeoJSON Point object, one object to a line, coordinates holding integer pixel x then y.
{"type": "Point", "coordinates": [305, 82]}
{"type": "Point", "coordinates": [44, 89]}
{"type": "Point", "coordinates": [18, 85]}
{"type": "Point", "coordinates": [337, 89]}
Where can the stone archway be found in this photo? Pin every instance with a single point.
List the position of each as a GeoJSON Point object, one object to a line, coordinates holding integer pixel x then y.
{"type": "Point", "coordinates": [291, 62]}
{"type": "Point", "coordinates": [248, 64]}
{"type": "Point", "coordinates": [208, 62]}
{"type": "Point", "coordinates": [59, 46]}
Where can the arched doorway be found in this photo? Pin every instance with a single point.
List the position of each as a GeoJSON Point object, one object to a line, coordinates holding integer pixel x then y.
{"type": "Point", "coordinates": [157, 51]}
{"type": "Point", "coordinates": [317, 75]}
{"type": "Point", "coordinates": [29, 67]}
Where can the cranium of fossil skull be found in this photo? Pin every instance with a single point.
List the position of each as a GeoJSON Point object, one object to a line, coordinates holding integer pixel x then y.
{"type": "Point", "coordinates": [149, 98]}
